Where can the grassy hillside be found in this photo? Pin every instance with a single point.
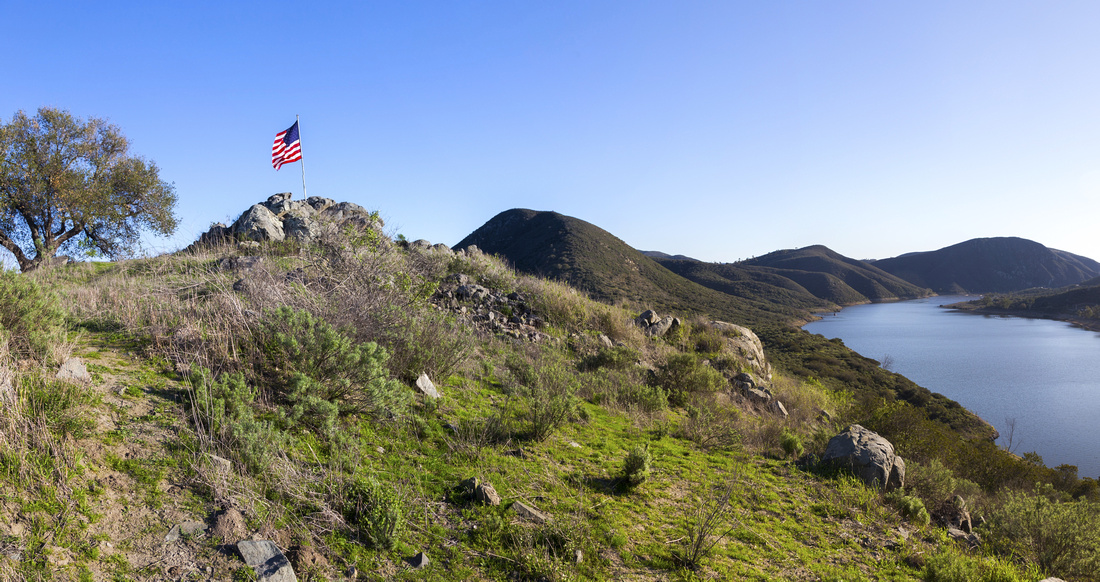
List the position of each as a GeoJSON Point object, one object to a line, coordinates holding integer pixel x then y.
{"type": "Point", "coordinates": [268, 394]}
{"type": "Point", "coordinates": [985, 265]}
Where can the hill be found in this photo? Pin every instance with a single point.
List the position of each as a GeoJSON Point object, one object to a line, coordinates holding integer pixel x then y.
{"type": "Point", "coordinates": [985, 265]}
{"type": "Point", "coordinates": [1078, 304]}
{"type": "Point", "coordinates": [555, 246]}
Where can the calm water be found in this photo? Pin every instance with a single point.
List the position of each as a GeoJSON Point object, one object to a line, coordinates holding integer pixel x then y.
{"type": "Point", "coordinates": [1044, 374]}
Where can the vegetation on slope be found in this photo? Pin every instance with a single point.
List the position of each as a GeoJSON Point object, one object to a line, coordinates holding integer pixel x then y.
{"type": "Point", "coordinates": [1079, 304]}
{"type": "Point", "coordinates": [293, 364]}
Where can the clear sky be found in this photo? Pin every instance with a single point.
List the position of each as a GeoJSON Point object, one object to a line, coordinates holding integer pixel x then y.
{"type": "Point", "coordinates": [719, 129]}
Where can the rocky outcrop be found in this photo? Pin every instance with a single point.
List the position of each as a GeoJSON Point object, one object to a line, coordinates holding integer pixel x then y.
{"type": "Point", "coordinates": [867, 454]}
{"type": "Point", "coordinates": [744, 342]}
{"type": "Point", "coordinates": [655, 326]}
{"type": "Point", "coordinates": [506, 314]}
{"type": "Point", "coordinates": [281, 217]}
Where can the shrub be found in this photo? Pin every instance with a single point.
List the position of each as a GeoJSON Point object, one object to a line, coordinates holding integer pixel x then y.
{"type": "Point", "coordinates": [911, 508]}
{"type": "Point", "coordinates": [791, 444]}
{"type": "Point", "coordinates": [1062, 538]}
{"type": "Point", "coordinates": [550, 400]}
{"type": "Point", "coordinates": [29, 316]}
{"type": "Point", "coordinates": [616, 358]}
{"type": "Point", "coordinates": [376, 512]}
{"type": "Point", "coordinates": [683, 374]}
{"type": "Point", "coordinates": [949, 564]}
{"type": "Point", "coordinates": [636, 466]}
{"type": "Point", "coordinates": [710, 425]}
{"type": "Point", "coordinates": [301, 349]}
{"type": "Point", "coordinates": [222, 410]}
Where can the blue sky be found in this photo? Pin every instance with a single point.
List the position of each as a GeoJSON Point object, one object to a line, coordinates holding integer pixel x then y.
{"type": "Point", "coordinates": [719, 130]}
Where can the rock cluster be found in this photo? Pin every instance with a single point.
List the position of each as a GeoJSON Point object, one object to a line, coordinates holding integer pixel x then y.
{"type": "Point", "coordinates": [867, 454]}
{"type": "Point", "coordinates": [758, 395]}
{"type": "Point", "coordinates": [655, 325]}
{"type": "Point", "coordinates": [281, 218]}
{"type": "Point", "coordinates": [507, 314]}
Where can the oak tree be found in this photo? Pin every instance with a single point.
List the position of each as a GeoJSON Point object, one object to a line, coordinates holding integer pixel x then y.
{"type": "Point", "coordinates": [69, 184]}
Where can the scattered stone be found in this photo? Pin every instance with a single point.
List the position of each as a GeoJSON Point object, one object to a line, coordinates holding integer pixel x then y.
{"type": "Point", "coordinates": [221, 465]}
{"type": "Point", "coordinates": [970, 539]}
{"type": "Point", "coordinates": [647, 318]}
{"type": "Point", "coordinates": [424, 383]}
{"type": "Point", "coordinates": [530, 513]}
{"type": "Point", "coordinates": [74, 370]}
{"type": "Point", "coordinates": [578, 556]}
{"type": "Point", "coordinates": [778, 408]}
{"type": "Point", "coordinates": [870, 456]}
{"type": "Point", "coordinates": [265, 558]}
{"type": "Point", "coordinates": [605, 341]}
{"type": "Point", "coordinates": [954, 513]}
{"type": "Point", "coordinates": [487, 494]}
{"type": "Point", "coordinates": [748, 345]}
{"type": "Point", "coordinates": [187, 528]}
{"type": "Point", "coordinates": [7, 391]}
{"type": "Point", "coordinates": [420, 560]}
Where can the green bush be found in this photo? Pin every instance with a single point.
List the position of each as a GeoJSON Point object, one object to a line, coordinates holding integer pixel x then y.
{"type": "Point", "coordinates": [304, 350]}
{"type": "Point", "coordinates": [949, 564]}
{"type": "Point", "coordinates": [684, 374]}
{"type": "Point", "coordinates": [911, 508]}
{"type": "Point", "coordinates": [1063, 538]}
{"type": "Point", "coordinates": [30, 318]}
{"type": "Point", "coordinates": [791, 444]}
{"type": "Point", "coordinates": [376, 512]}
{"type": "Point", "coordinates": [551, 400]}
{"type": "Point", "coordinates": [636, 466]}
{"type": "Point", "coordinates": [616, 358]}
{"type": "Point", "coordinates": [223, 411]}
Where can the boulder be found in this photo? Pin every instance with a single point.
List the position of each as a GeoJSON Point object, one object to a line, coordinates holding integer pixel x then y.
{"type": "Point", "coordinates": [746, 343]}
{"type": "Point", "coordinates": [954, 513]}
{"type": "Point", "coordinates": [485, 493]}
{"type": "Point", "coordinates": [426, 387]}
{"type": "Point", "coordinates": [420, 560]}
{"type": "Point", "coordinates": [258, 224]}
{"type": "Point", "coordinates": [867, 454]}
{"type": "Point", "coordinates": [647, 318]}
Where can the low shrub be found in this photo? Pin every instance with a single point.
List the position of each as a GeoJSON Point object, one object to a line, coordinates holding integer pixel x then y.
{"type": "Point", "coordinates": [950, 564]}
{"type": "Point", "coordinates": [911, 508]}
{"type": "Point", "coordinates": [302, 350]}
{"type": "Point", "coordinates": [1063, 538]}
{"type": "Point", "coordinates": [616, 358]}
{"type": "Point", "coordinates": [222, 410]}
{"type": "Point", "coordinates": [375, 511]}
{"type": "Point", "coordinates": [684, 374]}
{"type": "Point", "coordinates": [636, 466]}
{"type": "Point", "coordinates": [30, 318]}
{"type": "Point", "coordinates": [791, 444]}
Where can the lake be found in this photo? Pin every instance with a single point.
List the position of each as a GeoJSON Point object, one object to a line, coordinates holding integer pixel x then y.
{"type": "Point", "coordinates": [1043, 374]}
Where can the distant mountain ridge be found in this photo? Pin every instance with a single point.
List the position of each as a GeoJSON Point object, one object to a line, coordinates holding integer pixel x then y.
{"type": "Point", "coordinates": [983, 265]}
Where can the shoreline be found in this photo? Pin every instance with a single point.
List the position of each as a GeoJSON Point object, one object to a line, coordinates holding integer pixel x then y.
{"type": "Point", "coordinates": [1085, 324]}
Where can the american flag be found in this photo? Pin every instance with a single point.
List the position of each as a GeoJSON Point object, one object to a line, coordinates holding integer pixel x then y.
{"type": "Point", "coordinates": [287, 147]}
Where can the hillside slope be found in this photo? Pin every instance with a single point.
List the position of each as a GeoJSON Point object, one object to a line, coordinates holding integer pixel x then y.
{"type": "Point", "coordinates": [985, 265]}
{"type": "Point", "coordinates": [552, 245]}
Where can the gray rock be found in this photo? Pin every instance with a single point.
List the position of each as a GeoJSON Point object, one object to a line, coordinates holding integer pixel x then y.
{"type": "Point", "coordinates": [221, 466]}
{"type": "Point", "coordinates": [970, 539]}
{"type": "Point", "coordinates": [530, 513]}
{"type": "Point", "coordinates": [758, 396]}
{"type": "Point", "coordinates": [778, 408]}
{"type": "Point", "coordinates": [74, 370]}
{"type": "Point", "coordinates": [265, 558]}
{"type": "Point", "coordinates": [746, 344]}
{"type": "Point", "coordinates": [472, 292]}
{"type": "Point", "coordinates": [318, 203]}
{"type": "Point", "coordinates": [425, 385]}
{"type": "Point", "coordinates": [647, 318]}
{"type": "Point", "coordinates": [418, 561]}
{"type": "Point", "coordinates": [187, 528]}
{"type": "Point", "coordinates": [7, 391]}
{"type": "Point", "coordinates": [258, 224]}
{"type": "Point", "coordinates": [662, 326]}
{"type": "Point", "coordinates": [870, 456]}
{"type": "Point", "coordinates": [485, 493]}
{"type": "Point", "coordinates": [605, 341]}
{"type": "Point", "coordinates": [420, 244]}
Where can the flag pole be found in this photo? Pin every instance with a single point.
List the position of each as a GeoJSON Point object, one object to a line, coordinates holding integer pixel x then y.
{"type": "Point", "coordinates": [303, 160]}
